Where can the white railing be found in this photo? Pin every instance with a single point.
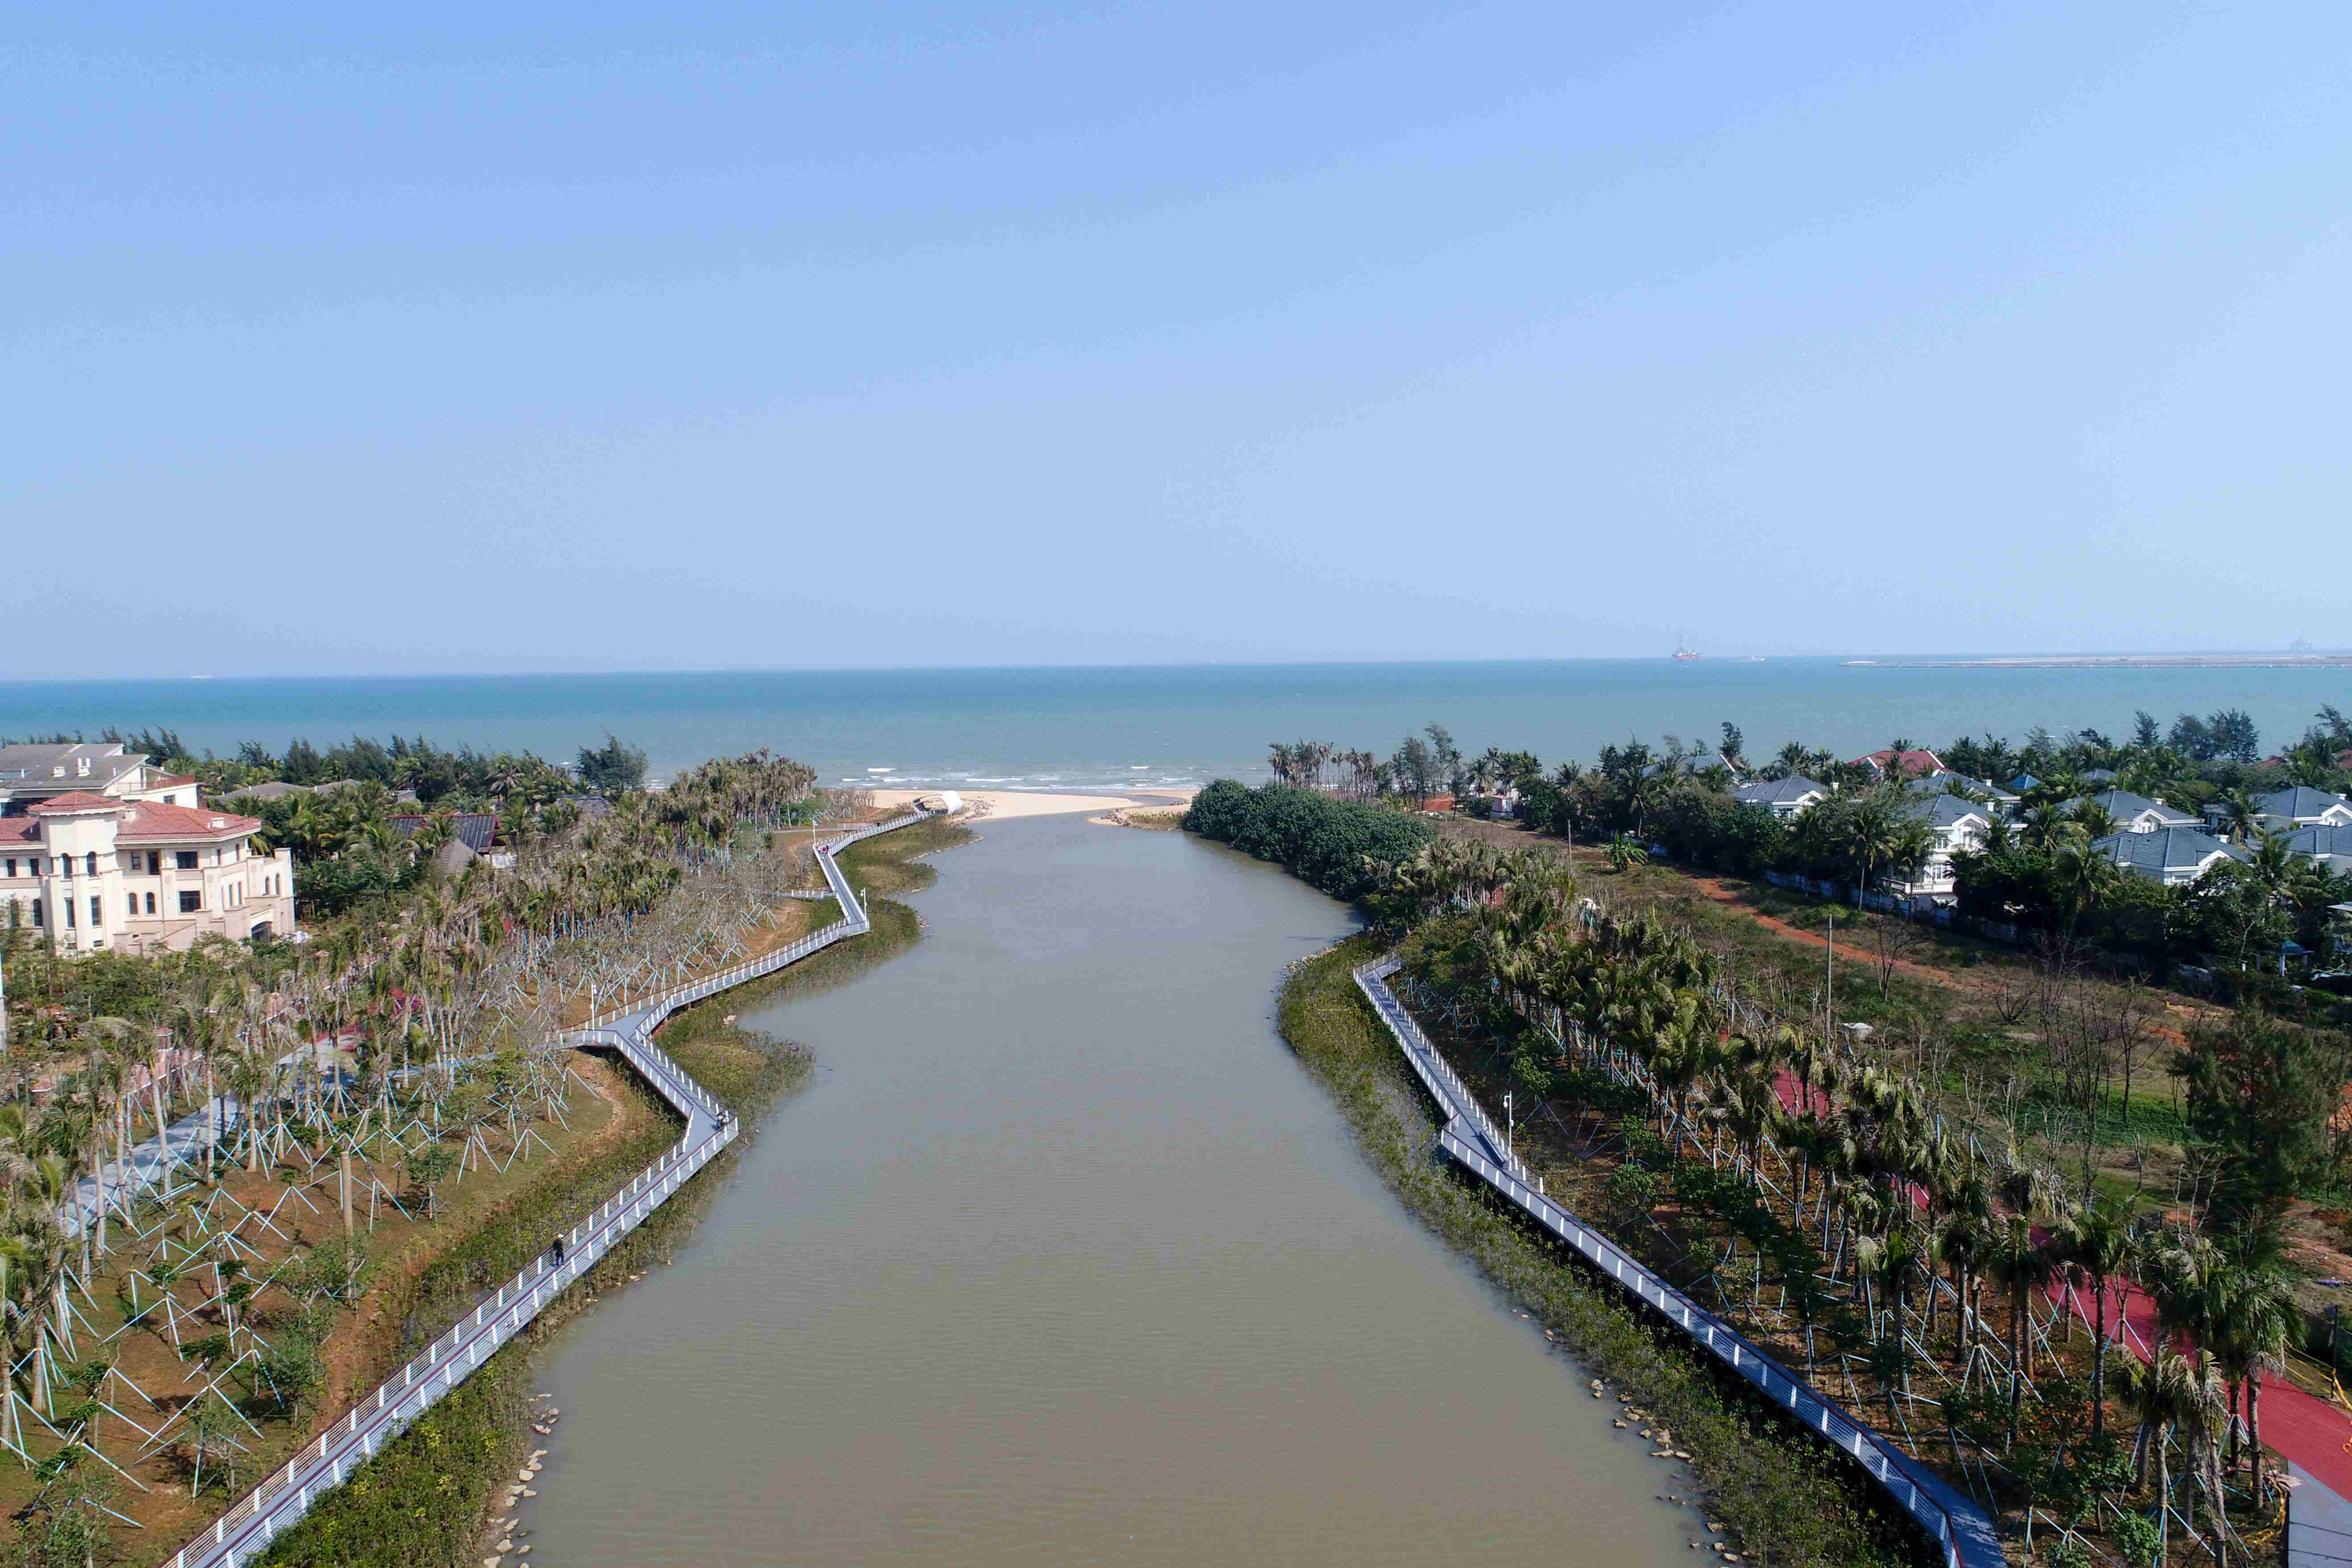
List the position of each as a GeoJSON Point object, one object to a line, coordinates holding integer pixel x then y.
{"type": "Point", "coordinates": [244, 1532]}
{"type": "Point", "coordinates": [1960, 1529]}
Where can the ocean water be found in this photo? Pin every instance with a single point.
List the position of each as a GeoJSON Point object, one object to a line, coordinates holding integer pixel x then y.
{"type": "Point", "coordinates": [1145, 726]}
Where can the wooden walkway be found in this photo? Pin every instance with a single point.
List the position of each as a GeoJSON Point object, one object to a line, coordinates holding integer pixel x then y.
{"type": "Point", "coordinates": [243, 1535]}
{"type": "Point", "coordinates": [1958, 1527]}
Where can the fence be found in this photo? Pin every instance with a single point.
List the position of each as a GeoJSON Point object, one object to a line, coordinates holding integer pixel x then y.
{"type": "Point", "coordinates": [244, 1532]}
{"type": "Point", "coordinates": [1960, 1529]}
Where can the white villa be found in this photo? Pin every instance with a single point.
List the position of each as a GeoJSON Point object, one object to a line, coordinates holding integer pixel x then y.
{"type": "Point", "coordinates": [133, 862]}
{"type": "Point", "coordinates": [1954, 825]}
{"type": "Point", "coordinates": [1786, 798]}
{"type": "Point", "coordinates": [2173, 856]}
{"type": "Point", "coordinates": [2138, 814]}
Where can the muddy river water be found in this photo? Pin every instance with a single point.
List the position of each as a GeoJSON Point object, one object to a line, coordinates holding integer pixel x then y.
{"type": "Point", "coordinates": [1062, 1257]}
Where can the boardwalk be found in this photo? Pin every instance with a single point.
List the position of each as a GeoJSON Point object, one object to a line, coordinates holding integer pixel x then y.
{"type": "Point", "coordinates": [243, 1533]}
{"type": "Point", "coordinates": [1959, 1528]}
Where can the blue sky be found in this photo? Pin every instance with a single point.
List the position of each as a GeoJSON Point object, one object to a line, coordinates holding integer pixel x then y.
{"type": "Point", "coordinates": [530, 338]}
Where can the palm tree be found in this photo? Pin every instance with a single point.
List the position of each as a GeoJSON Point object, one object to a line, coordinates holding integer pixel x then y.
{"type": "Point", "coordinates": [2020, 1265]}
{"type": "Point", "coordinates": [2098, 1240]}
{"type": "Point", "coordinates": [2257, 1323]}
{"type": "Point", "coordinates": [2239, 810]}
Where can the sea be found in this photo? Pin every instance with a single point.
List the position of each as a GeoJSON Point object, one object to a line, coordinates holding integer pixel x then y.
{"type": "Point", "coordinates": [1140, 727]}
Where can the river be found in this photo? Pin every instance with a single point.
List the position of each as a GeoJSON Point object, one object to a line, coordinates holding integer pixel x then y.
{"type": "Point", "coordinates": [1062, 1257]}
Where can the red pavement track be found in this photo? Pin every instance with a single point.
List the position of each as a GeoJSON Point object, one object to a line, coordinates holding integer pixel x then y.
{"type": "Point", "coordinates": [2316, 1433]}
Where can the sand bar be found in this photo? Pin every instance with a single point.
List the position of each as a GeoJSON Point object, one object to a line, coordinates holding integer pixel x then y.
{"type": "Point", "coordinates": [1036, 803]}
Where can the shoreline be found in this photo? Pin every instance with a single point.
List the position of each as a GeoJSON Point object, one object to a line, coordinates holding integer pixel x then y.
{"type": "Point", "coordinates": [1005, 804]}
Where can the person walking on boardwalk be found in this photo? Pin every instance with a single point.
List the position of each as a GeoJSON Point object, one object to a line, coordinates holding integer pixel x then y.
{"type": "Point", "coordinates": [555, 1253]}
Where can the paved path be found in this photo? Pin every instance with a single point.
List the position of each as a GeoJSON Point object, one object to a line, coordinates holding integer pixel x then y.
{"type": "Point", "coordinates": [1961, 1528]}
{"type": "Point", "coordinates": [243, 1535]}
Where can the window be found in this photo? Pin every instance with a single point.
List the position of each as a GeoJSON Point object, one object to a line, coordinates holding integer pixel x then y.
{"type": "Point", "coordinates": [150, 903]}
{"type": "Point", "coordinates": [184, 859]}
{"type": "Point", "coordinates": [96, 920]}
{"type": "Point", "coordinates": [171, 800]}
{"type": "Point", "coordinates": [191, 901]}
{"type": "Point", "coordinates": [91, 866]}
{"type": "Point", "coordinates": [12, 869]}
{"type": "Point", "coordinates": [67, 902]}
{"type": "Point", "coordinates": [38, 918]}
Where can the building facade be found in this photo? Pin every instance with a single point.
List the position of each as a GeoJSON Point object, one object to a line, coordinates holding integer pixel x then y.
{"type": "Point", "coordinates": [136, 874]}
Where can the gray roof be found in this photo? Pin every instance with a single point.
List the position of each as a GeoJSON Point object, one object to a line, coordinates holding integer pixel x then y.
{"type": "Point", "coordinates": [54, 768]}
{"type": "Point", "coordinates": [1944, 810]}
{"type": "Point", "coordinates": [275, 789]}
{"type": "Point", "coordinates": [2123, 806]}
{"type": "Point", "coordinates": [2097, 775]}
{"type": "Point", "coordinates": [2167, 849]}
{"type": "Point", "coordinates": [591, 807]}
{"type": "Point", "coordinates": [1786, 791]}
{"type": "Point", "coordinates": [2023, 782]}
{"type": "Point", "coordinates": [2328, 839]}
{"type": "Point", "coordinates": [2296, 803]}
{"type": "Point", "coordinates": [472, 829]}
{"type": "Point", "coordinates": [1941, 784]}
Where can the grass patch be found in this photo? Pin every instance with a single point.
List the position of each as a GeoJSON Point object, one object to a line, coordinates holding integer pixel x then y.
{"type": "Point", "coordinates": [1783, 1495]}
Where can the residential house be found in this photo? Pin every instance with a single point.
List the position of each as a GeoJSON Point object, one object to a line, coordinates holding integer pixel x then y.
{"type": "Point", "coordinates": [1784, 798]}
{"type": "Point", "coordinates": [272, 790]}
{"type": "Point", "coordinates": [2284, 810]}
{"type": "Point", "coordinates": [2173, 856]}
{"type": "Point", "coordinates": [1914, 764]}
{"type": "Point", "coordinates": [2003, 802]}
{"type": "Point", "coordinates": [38, 771]}
{"type": "Point", "coordinates": [126, 873]}
{"type": "Point", "coordinates": [1954, 826]}
{"type": "Point", "coordinates": [2330, 844]}
{"type": "Point", "coordinates": [2025, 784]}
{"type": "Point", "coordinates": [2138, 813]}
{"type": "Point", "coordinates": [474, 830]}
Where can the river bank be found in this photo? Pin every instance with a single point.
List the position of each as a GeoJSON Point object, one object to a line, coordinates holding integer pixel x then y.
{"type": "Point", "coordinates": [439, 1494]}
{"type": "Point", "coordinates": [1781, 1496]}
{"type": "Point", "coordinates": [1062, 1257]}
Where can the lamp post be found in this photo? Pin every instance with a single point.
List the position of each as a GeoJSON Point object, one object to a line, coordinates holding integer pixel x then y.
{"type": "Point", "coordinates": [1510, 1128]}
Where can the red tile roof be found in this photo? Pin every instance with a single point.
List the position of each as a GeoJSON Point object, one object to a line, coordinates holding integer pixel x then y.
{"type": "Point", "coordinates": [19, 830]}
{"type": "Point", "coordinates": [1914, 763]}
{"type": "Point", "coordinates": [145, 819]}
{"type": "Point", "coordinates": [75, 800]}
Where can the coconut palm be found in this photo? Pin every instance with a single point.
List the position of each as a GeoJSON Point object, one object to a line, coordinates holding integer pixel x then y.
{"type": "Point", "coordinates": [2021, 1265]}
{"type": "Point", "coordinates": [2098, 1240]}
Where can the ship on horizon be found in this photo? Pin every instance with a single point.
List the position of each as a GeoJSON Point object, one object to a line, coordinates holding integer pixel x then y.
{"type": "Point", "coordinates": [1684, 651]}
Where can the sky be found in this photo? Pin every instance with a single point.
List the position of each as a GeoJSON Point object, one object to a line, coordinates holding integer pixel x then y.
{"type": "Point", "coordinates": [535, 338]}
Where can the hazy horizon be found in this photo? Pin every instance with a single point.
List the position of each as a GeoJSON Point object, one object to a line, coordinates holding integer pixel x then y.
{"type": "Point", "coordinates": [1927, 655]}
{"type": "Point", "coordinates": [443, 340]}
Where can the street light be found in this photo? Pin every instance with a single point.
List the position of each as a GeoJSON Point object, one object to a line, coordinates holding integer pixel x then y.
{"type": "Point", "coordinates": [1510, 1128]}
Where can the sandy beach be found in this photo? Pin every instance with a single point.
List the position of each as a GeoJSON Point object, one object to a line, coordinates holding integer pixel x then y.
{"type": "Point", "coordinates": [1030, 803]}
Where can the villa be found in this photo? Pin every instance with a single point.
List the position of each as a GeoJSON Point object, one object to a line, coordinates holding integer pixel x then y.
{"type": "Point", "coordinates": [2003, 801]}
{"type": "Point", "coordinates": [2330, 845]}
{"type": "Point", "coordinates": [1784, 798]}
{"type": "Point", "coordinates": [2173, 856]}
{"type": "Point", "coordinates": [2138, 813]}
{"type": "Point", "coordinates": [1954, 826]}
{"type": "Point", "coordinates": [2284, 810]}
{"type": "Point", "coordinates": [1913, 764]}
{"type": "Point", "coordinates": [149, 869]}
{"type": "Point", "coordinates": [30, 774]}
